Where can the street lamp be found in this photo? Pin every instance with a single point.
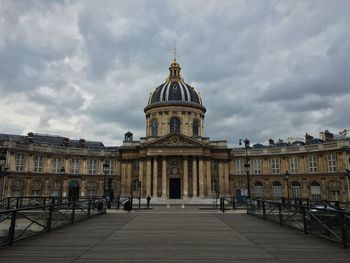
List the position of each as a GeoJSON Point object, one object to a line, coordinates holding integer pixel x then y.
{"type": "Point", "coordinates": [286, 177]}
{"type": "Point", "coordinates": [246, 165]}
{"type": "Point", "coordinates": [3, 172]}
{"type": "Point", "coordinates": [347, 179]}
{"type": "Point", "coordinates": [62, 172]}
{"type": "Point", "coordinates": [105, 171]}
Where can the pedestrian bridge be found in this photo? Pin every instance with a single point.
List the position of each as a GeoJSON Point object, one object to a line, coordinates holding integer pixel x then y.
{"type": "Point", "coordinates": [174, 235]}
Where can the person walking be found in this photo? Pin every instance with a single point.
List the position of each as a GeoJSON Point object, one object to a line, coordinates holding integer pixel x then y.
{"type": "Point", "coordinates": [148, 200]}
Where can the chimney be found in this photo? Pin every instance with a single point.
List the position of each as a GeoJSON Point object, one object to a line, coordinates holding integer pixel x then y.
{"type": "Point", "coordinates": [308, 138]}
{"type": "Point", "coordinates": [82, 143]}
{"type": "Point", "coordinates": [30, 137]}
{"type": "Point", "coordinates": [271, 142]}
{"type": "Point", "coordinates": [65, 142]}
{"type": "Point", "coordinates": [328, 136]}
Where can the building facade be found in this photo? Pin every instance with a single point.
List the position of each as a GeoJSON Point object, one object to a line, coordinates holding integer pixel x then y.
{"type": "Point", "coordinates": [174, 160]}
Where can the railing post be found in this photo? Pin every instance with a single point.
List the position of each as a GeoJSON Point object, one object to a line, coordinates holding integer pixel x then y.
{"type": "Point", "coordinates": [8, 203]}
{"type": "Point", "coordinates": [17, 202]}
{"type": "Point", "coordinates": [49, 219]}
{"type": "Point", "coordinates": [118, 202]}
{"type": "Point", "coordinates": [264, 209]}
{"type": "Point", "coordinates": [280, 214]}
{"type": "Point", "coordinates": [89, 208]}
{"type": "Point", "coordinates": [72, 219]}
{"type": "Point", "coordinates": [233, 203]}
{"type": "Point", "coordinates": [12, 228]}
{"type": "Point", "coordinates": [305, 223]}
{"type": "Point", "coordinates": [344, 235]}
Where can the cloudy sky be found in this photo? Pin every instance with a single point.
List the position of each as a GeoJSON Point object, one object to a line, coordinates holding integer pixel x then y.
{"type": "Point", "coordinates": [264, 69]}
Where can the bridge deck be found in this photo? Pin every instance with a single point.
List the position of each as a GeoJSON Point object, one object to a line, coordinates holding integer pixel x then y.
{"type": "Point", "coordinates": [174, 237]}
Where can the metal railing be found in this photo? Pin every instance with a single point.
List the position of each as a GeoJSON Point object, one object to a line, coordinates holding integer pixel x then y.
{"type": "Point", "coordinates": [22, 223]}
{"type": "Point", "coordinates": [326, 222]}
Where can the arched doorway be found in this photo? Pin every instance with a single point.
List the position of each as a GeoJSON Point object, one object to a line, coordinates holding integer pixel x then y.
{"type": "Point", "coordinates": [73, 191]}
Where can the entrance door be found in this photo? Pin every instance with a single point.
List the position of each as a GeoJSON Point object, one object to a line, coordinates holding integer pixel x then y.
{"type": "Point", "coordinates": [175, 188]}
{"type": "Point", "coordinates": [73, 191]}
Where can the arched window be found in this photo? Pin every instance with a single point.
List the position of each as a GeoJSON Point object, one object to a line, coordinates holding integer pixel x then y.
{"type": "Point", "coordinates": [154, 128]}
{"type": "Point", "coordinates": [195, 127]}
{"type": "Point", "coordinates": [296, 192]}
{"type": "Point", "coordinates": [315, 189]}
{"type": "Point", "coordinates": [174, 125]}
{"type": "Point", "coordinates": [259, 189]}
{"type": "Point", "coordinates": [276, 189]}
{"type": "Point", "coordinates": [214, 185]}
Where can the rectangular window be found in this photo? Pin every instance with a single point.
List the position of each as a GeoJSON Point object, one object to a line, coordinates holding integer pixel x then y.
{"type": "Point", "coordinates": [257, 166]}
{"type": "Point", "coordinates": [38, 164]}
{"type": "Point", "coordinates": [74, 167]}
{"type": "Point", "coordinates": [315, 193]}
{"type": "Point", "coordinates": [19, 162]}
{"type": "Point", "coordinates": [239, 166]}
{"type": "Point", "coordinates": [92, 166]}
{"type": "Point", "coordinates": [111, 168]}
{"type": "Point", "coordinates": [54, 193]}
{"type": "Point", "coordinates": [275, 166]}
{"type": "Point", "coordinates": [56, 165]}
{"type": "Point", "coordinates": [293, 165]}
{"type": "Point", "coordinates": [35, 192]}
{"type": "Point", "coordinates": [312, 164]}
{"type": "Point", "coordinates": [332, 162]}
{"type": "Point", "coordinates": [214, 168]}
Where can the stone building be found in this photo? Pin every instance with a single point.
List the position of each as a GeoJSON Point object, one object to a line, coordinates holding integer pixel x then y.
{"type": "Point", "coordinates": [174, 160]}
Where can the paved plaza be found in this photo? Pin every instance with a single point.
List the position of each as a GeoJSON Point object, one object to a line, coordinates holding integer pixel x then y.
{"type": "Point", "coordinates": [174, 235]}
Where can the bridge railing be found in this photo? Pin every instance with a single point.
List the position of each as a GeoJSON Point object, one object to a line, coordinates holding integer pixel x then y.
{"type": "Point", "coordinates": [325, 222]}
{"type": "Point", "coordinates": [22, 223]}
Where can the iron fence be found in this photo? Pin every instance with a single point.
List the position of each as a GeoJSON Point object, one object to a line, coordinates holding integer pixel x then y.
{"type": "Point", "coordinates": [22, 223]}
{"type": "Point", "coordinates": [325, 222]}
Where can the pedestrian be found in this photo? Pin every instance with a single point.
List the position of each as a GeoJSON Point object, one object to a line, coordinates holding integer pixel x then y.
{"type": "Point", "coordinates": [148, 200]}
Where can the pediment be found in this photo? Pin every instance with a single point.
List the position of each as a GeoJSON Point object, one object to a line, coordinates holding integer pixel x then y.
{"type": "Point", "coordinates": [175, 140]}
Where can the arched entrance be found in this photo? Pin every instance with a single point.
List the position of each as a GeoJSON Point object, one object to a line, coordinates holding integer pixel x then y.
{"type": "Point", "coordinates": [73, 191]}
{"type": "Point", "coordinates": [175, 178]}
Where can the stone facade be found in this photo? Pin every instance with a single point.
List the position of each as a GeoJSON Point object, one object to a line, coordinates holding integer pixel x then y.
{"type": "Point", "coordinates": [174, 160]}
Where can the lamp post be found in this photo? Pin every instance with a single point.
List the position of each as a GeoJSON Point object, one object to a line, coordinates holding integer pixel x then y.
{"type": "Point", "coordinates": [105, 171]}
{"type": "Point", "coordinates": [3, 172]}
{"type": "Point", "coordinates": [62, 172]}
{"type": "Point", "coordinates": [246, 165]}
{"type": "Point", "coordinates": [139, 194]}
{"type": "Point", "coordinates": [347, 180]}
{"type": "Point", "coordinates": [286, 177]}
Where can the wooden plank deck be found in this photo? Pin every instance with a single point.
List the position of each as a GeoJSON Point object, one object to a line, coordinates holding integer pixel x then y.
{"type": "Point", "coordinates": [174, 237]}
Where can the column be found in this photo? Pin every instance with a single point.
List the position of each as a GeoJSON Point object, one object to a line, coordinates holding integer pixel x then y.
{"type": "Point", "coordinates": [123, 180]}
{"type": "Point", "coordinates": [83, 186]}
{"type": "Point", "coordinates": [164, 184]}
{"type": "Point", "coordinates": [201, 178]}
{"type": "Point", "coordinates": [128, 179]}
{"type": "Point", "coordinates": [208, 178]}
{"type": "Point", "coordinates": [148, 176]}
{"type": "Point", "coordinates": [155, 177]}
{"type": "Point", "coordinates": [141, 176]}
{"type": "Point", "coordinates": [226, 178]}
{"type": "Point", "coordinates": [185, 178]}
{"type": "Point", "coordinates": [194, 177]}
{"type": "Point", "coordinates": [221, 178]}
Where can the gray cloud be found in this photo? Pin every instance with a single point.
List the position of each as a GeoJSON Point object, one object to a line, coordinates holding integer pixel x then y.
{"type": "Point", "coordinates": [265, 70]}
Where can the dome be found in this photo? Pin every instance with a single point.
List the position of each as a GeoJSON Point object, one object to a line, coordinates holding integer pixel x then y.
{"type": "Point", "coordinates": [174, 90]}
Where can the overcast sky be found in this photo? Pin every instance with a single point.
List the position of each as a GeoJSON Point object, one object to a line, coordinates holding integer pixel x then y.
{"type": "Point", "coordinates": [264, 69]}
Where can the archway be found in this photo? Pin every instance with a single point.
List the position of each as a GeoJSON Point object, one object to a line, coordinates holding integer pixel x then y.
{"type": "Point", "coordinates": [73, 191]}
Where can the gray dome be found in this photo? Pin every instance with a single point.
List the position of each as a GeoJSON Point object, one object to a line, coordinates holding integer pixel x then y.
{"type": "Point", "coordinates": [174, 90]}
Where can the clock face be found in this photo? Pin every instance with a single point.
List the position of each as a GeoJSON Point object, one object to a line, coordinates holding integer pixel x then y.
{"type": "Point", "coordinates": [175, 140]}
{"type": "Point", "coordinates": [174, 170]}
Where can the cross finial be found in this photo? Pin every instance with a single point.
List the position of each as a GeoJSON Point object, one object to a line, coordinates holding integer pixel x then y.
{"type": "Point", "coordinates": [174, 50]}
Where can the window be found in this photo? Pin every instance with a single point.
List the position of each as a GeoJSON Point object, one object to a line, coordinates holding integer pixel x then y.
{"type": "Point", "coordinates": [111, 165]}
{"type": "Point", "coordinates": [175, 125]}
{"type": "Point", "coordinates": [56, 165]}
{"type": "Point", "coordinates": [92, 166]}
{"type": "Point", "coordinates": [312, 164]}
{"type": "Point", "coordinates": [35, 193]}
{"type": "Point", "coordinates": [276, 190]}
{"type": "Point", "coordinates": [239, 166]}
{"type": "Point", "coordinates": [55, 193]}
{"type": "Point", "coordinates": [16, 193]}
{"type": "Point", "coordinates": [38, 164]}
{"type": "Point", "coordinates": [296, 193]}
{"type": "Point", "coordinates": [37, 184]}
{"type": "Point", "coordinates": [275, 166]}
{"type": "Point", "coordinates": [56, 185]}
{"type": "Point", "coordinates": [259, 189]}
{"type": "Point", "coordinates": [214, 185]}
{"type": "Point", "coordinates": [214, 168]}
{"type": "Point", "coordinates": [154, 128]}
{"type": "Point", "coordinates": [135, 166]}
{"type": "Point", "coordinates": [195, 128]}
{"type": "Point", "coordinates": [332, 162]}
{"type": "Point", "coordinates": [135, 185]}
{"type": "Point", "coordinates": [293, 165]}
{"type": "Point", "coordinates": [315, 189]}
{"type": "Point", "coordinates": [74, 169]}
{"type": "Point", "coordinates": [19, 183]}
{"type": "Point", "coordinates": [19, 162]}
{"type": "Point", "coordinates": [91, 192]}
{"type": "Point", "coordinates": [257, 166]}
